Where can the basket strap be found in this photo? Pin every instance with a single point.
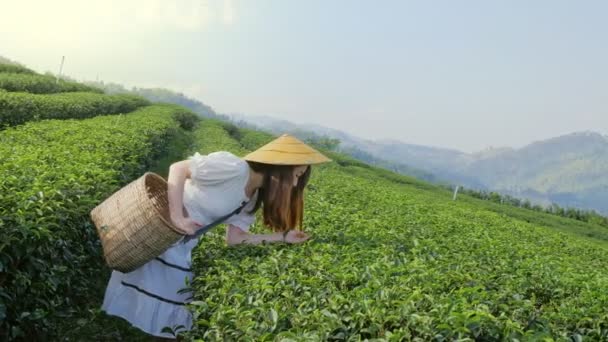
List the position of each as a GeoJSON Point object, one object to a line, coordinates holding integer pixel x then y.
{"type": "Point", "coordinates": [214, 223]}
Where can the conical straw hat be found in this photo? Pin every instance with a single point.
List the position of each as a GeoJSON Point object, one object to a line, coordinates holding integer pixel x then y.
{"type": "Point", "coordinates": [286, 150]}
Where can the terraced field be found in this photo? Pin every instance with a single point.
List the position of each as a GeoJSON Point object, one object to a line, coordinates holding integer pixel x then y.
{"type": "Point", "coordinates": [395, 261]}
{"type": "Point", "coordinates": [391, 259]}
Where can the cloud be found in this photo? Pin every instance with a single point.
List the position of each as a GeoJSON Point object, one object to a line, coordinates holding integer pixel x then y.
{"type": "Point", "coordinates": [228, 16]}
{"type": "Point", "coordinates": [185, 15]}
{"type": "Point", "coordinates": [53, 19]}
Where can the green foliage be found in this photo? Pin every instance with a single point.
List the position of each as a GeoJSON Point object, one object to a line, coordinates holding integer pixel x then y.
{"type": "Point", "coordinates": [593, 230]}
{"type": "Point", "coordinates": [588, 216]}
{"type": "Point", "coordinates": [324, 142]}
{"type": "Point", "coordinates": [394, 260]}
{"type": "Point", "coordinates": [40, 84]}
{"type": "Point", "coordinates": [4, 60]}
{"type": "Point", "coordinates": [179, 148]}
{"type": "Point", "coordinates": [252, 139]}
{"type": "Point", "coordinates": [160, 95]}
{"type": "Point", "coordinates": [17, 108]}
{"type": "Point", "coordinates": [346, 161]}
{"type": "Point", "coordinates": [398, 264]}
{"type": "Point", "coordinates": [168, 96]}
{"type": "Point", "coordinates": [212, 136]}
{"type": "Point", "coordinates": [14, 68]}
{"type": "Point", "coordinates": [186, 119]}
{"type": "Point", "coordinates": [52, 173]}
{"type": "Point", "coordinates": [233, 131]}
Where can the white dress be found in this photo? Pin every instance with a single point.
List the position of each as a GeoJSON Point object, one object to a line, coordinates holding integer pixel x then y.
{"type": "Point", "coordinates": [150, 297]}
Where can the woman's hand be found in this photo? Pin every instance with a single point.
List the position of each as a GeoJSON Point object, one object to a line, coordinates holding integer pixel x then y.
{"type": "Point", "coordinates": [296, 236]}
{"type": "Point", "coordinates": [186, 225]}
{"type": "Point", "coordinates": [235, 236]}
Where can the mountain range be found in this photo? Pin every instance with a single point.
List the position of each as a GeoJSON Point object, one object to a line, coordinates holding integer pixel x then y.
{"type": "Point", "coordinates": [570, 170]}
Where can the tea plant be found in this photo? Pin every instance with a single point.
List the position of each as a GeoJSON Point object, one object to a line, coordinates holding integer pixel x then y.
{"type": "Point", "coordinates": [211, 136]}
{"type": "Point", "coordinates": [17, 108]}
{"type": "Point", "coordinates": [40, 84]}
{"type": "Point", "coordinates": [52, 173]}
{"type": "Point", "coordinates": [391, 258]}
{"type": "Point", "coordinates": [395, 261]}
{"type": "Point", "coordinates": [15, 69]}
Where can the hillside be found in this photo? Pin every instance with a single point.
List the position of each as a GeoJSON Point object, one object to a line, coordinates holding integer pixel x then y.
{"type": "Point", "coordinates": [6, 61]}
{"type": "Point", "coordinates": [161, 95]}
{"type": "Point", "coordinates": [63, 148]}
{"type": "Point", "coordinates": [392, 258]}
{"type": "Point", "coordinates": [396, 258]}
{"type": "Point", "coordinates": [569, 170]}
{"type": "Point", "coordinates": [348, 144]}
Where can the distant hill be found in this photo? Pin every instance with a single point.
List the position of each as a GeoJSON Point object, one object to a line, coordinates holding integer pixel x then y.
{"type": "Point", "coordinates": [161, 95]}
{"type": "Point", "coordinates": [4, 60]}
{"type": "Point", "coordinates": [570, 170]}
{"type": "Point", "coordinates": [349, 144]}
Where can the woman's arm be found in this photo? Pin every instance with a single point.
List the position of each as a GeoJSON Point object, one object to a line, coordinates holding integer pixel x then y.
{"type": "Point", "coordinates": [235, 236]}
{"type": "Point", "coordinates": [178, 173]}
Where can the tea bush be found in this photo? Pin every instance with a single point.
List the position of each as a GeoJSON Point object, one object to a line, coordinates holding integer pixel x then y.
{"type": "Point", "coordinates": [212, 136]}
{"type": "Point", "coordinates": [252, 140]}
{"type": "Point", "coordinates": [41, 84]}
{"type": "Point", "coordinates": [15, 69]}
{"type": "Point", "coordinates": [391, 258]}
{"type": "Point", "coordinates": [186, 119]}
{"type": "Point", "coordinates": [17, 108]}
{"type": "Point", "coordinates": [52, 173]}
{"type": "Point", "coordinates": [393, 261]}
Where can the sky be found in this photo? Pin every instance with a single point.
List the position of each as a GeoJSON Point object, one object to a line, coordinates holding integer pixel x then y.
{"type": "Point", "coordinates": [465, 75]}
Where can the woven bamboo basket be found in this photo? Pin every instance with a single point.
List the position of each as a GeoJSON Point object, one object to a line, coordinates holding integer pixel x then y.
{"type": "Point", "coordinates": [134, 223]}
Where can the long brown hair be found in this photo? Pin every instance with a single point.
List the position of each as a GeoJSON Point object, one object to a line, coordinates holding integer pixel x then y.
{"type": "Point", "coordinates": [283, 203]}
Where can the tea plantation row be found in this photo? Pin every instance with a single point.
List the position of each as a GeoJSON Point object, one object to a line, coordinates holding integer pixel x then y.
{"type": "Point", "coordinates": [40, 84]}
{"type": "Point", "coordinates": [14, 69]}
{"type": "Point", "coordinates": [395, 262]}
{"type": "Point", "coordinates": [17, 108]}
{"type": "Point", "coordinates": [52, 173]}
{"type": "Point", "coordinates": [392, 258]}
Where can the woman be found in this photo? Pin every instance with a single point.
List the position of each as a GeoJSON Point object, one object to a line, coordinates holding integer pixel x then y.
{"type": "Point", "coordinates": [201, 190]}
